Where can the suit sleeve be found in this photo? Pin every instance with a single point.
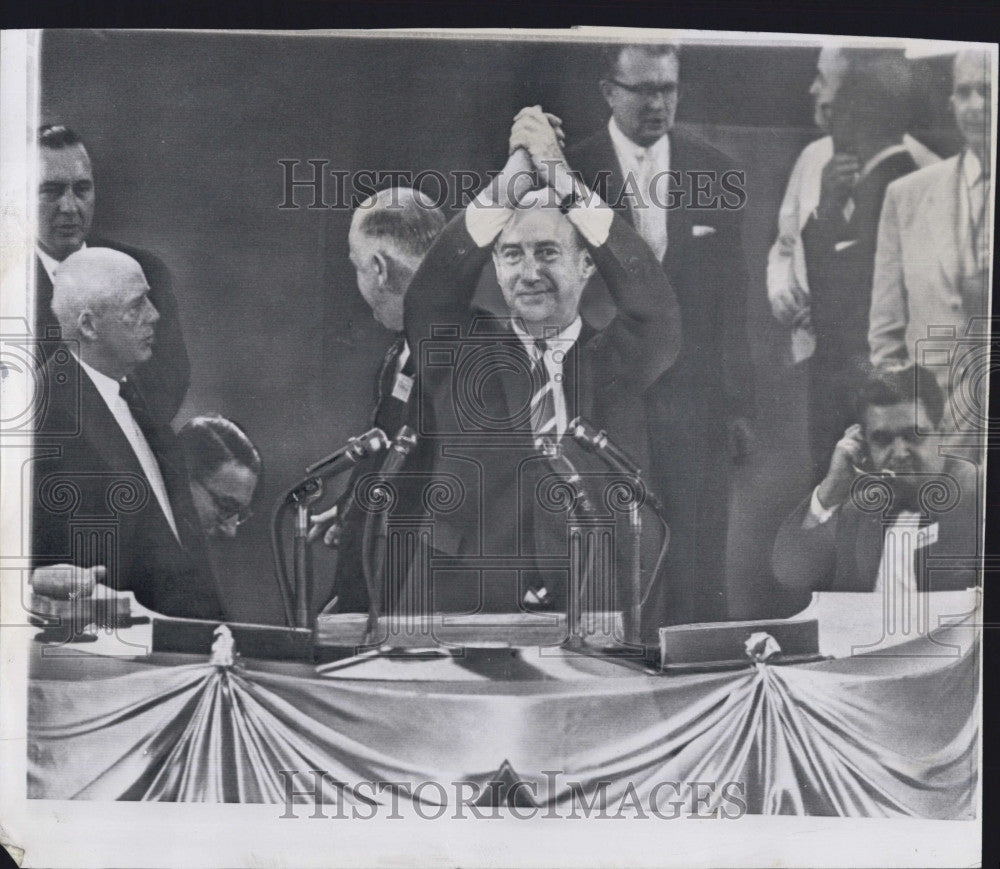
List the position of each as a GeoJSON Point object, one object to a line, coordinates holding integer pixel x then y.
{"type": "Point", "coordinates": [165, 377]}
{"type": "Point", "coordinates": [888, 316]}
{"type": "Point", "coordinates": [644, 338]}
{"type": "Point", "coordinates": [805, 558]}
{"type": "Point", "coordinates": [440, 293]}
{"type": "Point", "coordinates": [781, 277]}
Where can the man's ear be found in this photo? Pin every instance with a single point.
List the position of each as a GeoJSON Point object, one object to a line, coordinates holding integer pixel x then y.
{"type": "Point", "coordinates": [381, 264]}
{"type": "Point", "coordinates": [587, 267]}
{"type": "Point", "coordinates": [86, 326]}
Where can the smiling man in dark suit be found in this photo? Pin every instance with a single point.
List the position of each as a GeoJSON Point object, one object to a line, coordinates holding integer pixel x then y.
{"type": "Point", "coordinates": [111, 493]}
{"type": "Point", "coordinates": [699, 410]}
{"type": "Point", "coordinates": [66, 199]}
{"type": "Point", "coordinates": [497, 393]}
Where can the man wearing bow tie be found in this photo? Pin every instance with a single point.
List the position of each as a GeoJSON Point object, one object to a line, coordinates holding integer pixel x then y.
{"type": "Point", "coordinates": [890, 503]}
{"type": "Point", "coordinates": [699, 411]}
{"type": "Point", "coordinates": [110, 492]}
{"type": "Point", "coordinates": [390, 233]}
{"type": "Point", "coordinates": [933, 254]}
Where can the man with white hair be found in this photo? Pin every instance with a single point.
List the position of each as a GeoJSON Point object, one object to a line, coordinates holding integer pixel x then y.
{"type": "Point", "coordinates": [111, 496]}
{"type": "Point", "coordinates": [787, 281]}
{"type": "Point", "coordinates": [497, 393]}
{"type": "Point", "coordinates": [933, 254]}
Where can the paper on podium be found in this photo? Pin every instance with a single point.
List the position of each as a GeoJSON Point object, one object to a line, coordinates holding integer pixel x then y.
{"type": "Point", "coordinates": [943, 623]}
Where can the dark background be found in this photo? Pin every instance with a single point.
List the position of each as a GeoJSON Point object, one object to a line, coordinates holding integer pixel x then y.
{"type": "Point", "coordinates": [185, 132]}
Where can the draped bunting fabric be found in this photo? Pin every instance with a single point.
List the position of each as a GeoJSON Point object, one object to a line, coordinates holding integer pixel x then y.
{"type": "Point", "coordinates": [865, 737]}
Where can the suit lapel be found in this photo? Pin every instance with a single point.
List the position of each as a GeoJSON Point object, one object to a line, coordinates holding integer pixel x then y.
{"type": "Point", "coordinates": [941, 216]}
{"type": "Point", "coordinates": [106, 437]}
{"type": "Point", "coordinates": [679, 220]}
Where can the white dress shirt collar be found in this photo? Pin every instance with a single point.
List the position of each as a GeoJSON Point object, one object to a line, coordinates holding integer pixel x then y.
{"type": "Point", "coordinates": [971, 167]}
{"type": "Point", "coordinates": [50, 263]}
{"type": "Point", "coordinates": [107, 386]}
{"type": "Point", "coordinates": [882, 155]}
{"type": "Point", "coordinates": [634, 153]}
{"type": "Point", "coordinates": [560, 341]}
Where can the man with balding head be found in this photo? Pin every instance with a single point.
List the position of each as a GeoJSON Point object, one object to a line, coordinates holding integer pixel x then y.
{"type": "Point", "coordinates": [389, 235]}
{"type": "Point", "coordinates": [110, 489]}
{"type": "Point", "coordinates": [497, 393]}
{"type": "Point", "coordinates": [66, 201]}
{"type": "Point", "coordinates": [933, 255]}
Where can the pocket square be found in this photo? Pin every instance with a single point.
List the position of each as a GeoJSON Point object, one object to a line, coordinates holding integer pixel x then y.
{"type": "Point", "coordinates": [701, 231]}
{"type": "Point", "coordinates": [844, 245]}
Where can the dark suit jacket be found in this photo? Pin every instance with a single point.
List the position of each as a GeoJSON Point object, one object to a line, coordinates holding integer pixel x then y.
{"type": "Point", "coordinates": [165, 376]}
{"type": "Point", "coordinates": [707, 271]}
{"type": "Point", "coordinates": [840, 262]}
{"type": "Point", "coordinates": [389, 414]}
{"type": "Point", "coordinates": [843, 554]}
{"type": "Point", "coordinates": [92, 503]}
{"type": "Point", "coordinates": [475, 391]}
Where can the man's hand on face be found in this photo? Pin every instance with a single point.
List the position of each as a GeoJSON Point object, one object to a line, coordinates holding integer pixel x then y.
{"type": "Point", "coordinates": [840, 175]}
{"type": "Point", "coordinates": [850, 452]}
{"type": "Point", "coordinates": [540, 134]}
{"type": "Point", "coordinates": [789, 305]}
{"type": "Point", "coordinates": [66, 581]}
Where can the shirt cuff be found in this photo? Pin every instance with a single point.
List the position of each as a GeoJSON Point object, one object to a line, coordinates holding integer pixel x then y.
{"type": "Point", "coordinates": [818, 514]}
{"type": "Point", "coordinates": [484, 219]}
{"type": "Point", "coordinates": [592, 217]}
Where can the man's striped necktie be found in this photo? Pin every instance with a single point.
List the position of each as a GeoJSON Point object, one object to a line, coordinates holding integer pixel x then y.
{"type": "Point", "coordinates": [544, 425]}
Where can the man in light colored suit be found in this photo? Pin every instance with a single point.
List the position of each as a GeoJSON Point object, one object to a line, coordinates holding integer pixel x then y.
{"type": "Point", "coordinates": [932, 260]}
{"type": "Point", "coordinates": [787, 283]}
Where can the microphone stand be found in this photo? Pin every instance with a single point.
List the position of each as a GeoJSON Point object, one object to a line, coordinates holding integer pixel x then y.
{"type": "Point", "coordinates": [302, 495]}
{"type": "Point", "coordinates": [597, 442]}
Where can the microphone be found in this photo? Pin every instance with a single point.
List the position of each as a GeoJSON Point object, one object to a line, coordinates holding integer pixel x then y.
{"type": "Point", "coordinates": [401, 447]}
{"type": "Point", "coordinates": [567, 470]}
{"type": "Point", "coordinates": [372, 555]}
{"type": "Point", "coordinates": [361, 447]}
{"type": "Point", "coordinates": [597, 441]}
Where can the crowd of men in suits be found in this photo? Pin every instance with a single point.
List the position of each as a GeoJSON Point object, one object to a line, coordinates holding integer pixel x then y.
{"type": "Point", "coordinates": [871, 251]}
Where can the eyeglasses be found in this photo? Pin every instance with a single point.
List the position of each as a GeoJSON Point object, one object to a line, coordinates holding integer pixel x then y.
{"type": "Point", "coordinates": [647, 91]}
{"type": "Point", "coordinates": [227, 508]}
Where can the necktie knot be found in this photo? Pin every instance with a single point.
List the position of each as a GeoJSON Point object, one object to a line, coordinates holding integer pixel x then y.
{"type": "Point", "coordinates": [133, 398]}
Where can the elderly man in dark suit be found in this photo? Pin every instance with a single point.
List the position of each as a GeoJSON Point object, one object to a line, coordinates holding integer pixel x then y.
{"type": "Point", "coordinates": [497, 394]}
{"type": "Point", "coordinates": [390, 233]}
{"type": "Point", "coordinates": [111, 494]}
{"type": "Point", "coordinates": [867, 121]}
{"type": "Point", "coordinates": [890, 502]}
{"type": "Point", "coordinates": [684, 198]}
{"type": "Point", "coordinates": [66, 199]}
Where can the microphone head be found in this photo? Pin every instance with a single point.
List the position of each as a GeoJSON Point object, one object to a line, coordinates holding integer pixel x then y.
{"type": "Point", "coordinates": [405, 440]}
{"type": "Point", "coordinates": [375, 440]}
{"type": "Point", "coordinates": [583, 432]}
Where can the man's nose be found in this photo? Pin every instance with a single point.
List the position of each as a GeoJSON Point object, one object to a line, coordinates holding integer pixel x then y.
{"type": "Point", "coordinates": [152, 315]}
{"type": "Point", "coordinates": [68, 202]}
{"type": "Point", "coordinates": [529, 270]}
